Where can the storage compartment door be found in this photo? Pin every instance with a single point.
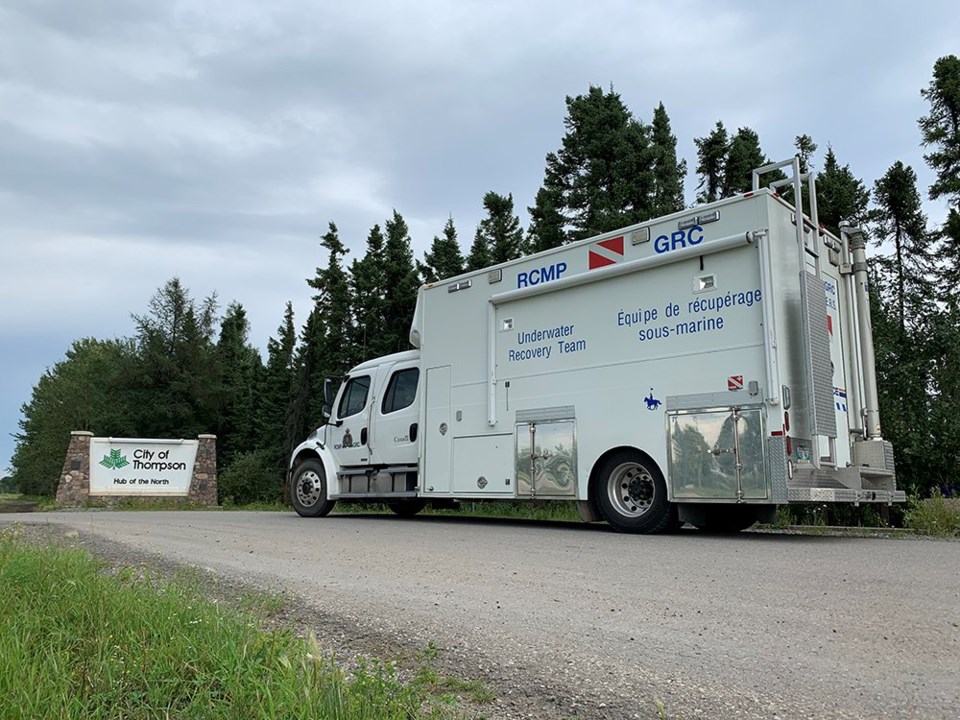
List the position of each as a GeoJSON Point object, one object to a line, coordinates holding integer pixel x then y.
{"type": "Point", "coordinates": [547, 459]}
{"type": "Point", "coordinates": [751, 446]}
{"type": "Point", "coordinates": [717, 454]}
{"type": "Point", "coordinates": [483, 465]}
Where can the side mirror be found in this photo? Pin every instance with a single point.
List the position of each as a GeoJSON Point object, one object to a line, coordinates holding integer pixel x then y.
{"type": "Point", "coordinates": [329, 392]}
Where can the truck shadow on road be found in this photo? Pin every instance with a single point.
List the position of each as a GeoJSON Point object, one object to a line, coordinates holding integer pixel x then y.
{"type": "Point", "coordinates": [685, 533]}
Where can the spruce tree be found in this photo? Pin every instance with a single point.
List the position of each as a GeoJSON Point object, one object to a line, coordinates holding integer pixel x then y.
{"type": "Point", "coordinates": [840, 195]}
{"type": "Point", "coordinates": [668, 172]}
{"type": "Point", "coordinates": [602, 175]}
{"type": "Point", "coordinates": [901, 322]}
{"type": "Point", "coordinates": [479, 256]}
{"type": "Point", "coordinates": [367, 286]}
{"type": "Point", "coordinates": [898, 219]}
{"type": "Point", "coordinates": [325, 348]}
{"type": "Point", "coordinates": [500, 230]}
{"type": "Point", "coordinates": [806, 147]}
{"type": "Point", "coordinates": [240, 367]}
{"type": "Point", "coordinates": [941, 128]}
{"type": "Point", "coordinates": [940, 131]}
{"type": "Point", "coordinates": [174, 385]}
{"type": "Point", "coordinates": [332, 302]}
{"type": "Point", "coordinates": [743, 157]}
{"type": "Point", "coordinates": [305, 410]}
{"type": "Point", "coordinates": [712, 152]}
{"type": "Point", "coordinates": [444, 259]}
{"type": "Point", "coordinates": [546, 221]}
{"type": "Point", "coordinates": [400, 286]}
{"type": "Point", "coordinates": [277, 390]}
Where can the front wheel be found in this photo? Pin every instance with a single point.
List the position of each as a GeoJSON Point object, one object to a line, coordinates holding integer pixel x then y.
{"type": "Point", "coordinates": [632, 495]}
{"type": "Point", "coordinates": [308, 490]}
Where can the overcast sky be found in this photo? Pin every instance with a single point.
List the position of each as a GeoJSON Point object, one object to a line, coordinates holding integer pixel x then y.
{"type": "Point", "coordinates": [215, 139]}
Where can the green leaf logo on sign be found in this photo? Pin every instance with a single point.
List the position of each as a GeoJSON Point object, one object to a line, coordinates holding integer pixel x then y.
{"type": "Point", "coordinates": [114, 461]}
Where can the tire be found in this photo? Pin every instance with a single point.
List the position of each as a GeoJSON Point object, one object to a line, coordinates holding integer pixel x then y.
{"type": "Point", "coordinates": [727, 520]}
{"type": "Point", "coordinates": [407, 508]}
{"type": "Point", "coordinates": [308, 490]}
{"type": "Point", "coordinates": [632, 495]}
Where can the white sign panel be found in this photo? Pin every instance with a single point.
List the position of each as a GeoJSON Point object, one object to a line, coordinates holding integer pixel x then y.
{"type": "Point", "coordinates": [121, 466]}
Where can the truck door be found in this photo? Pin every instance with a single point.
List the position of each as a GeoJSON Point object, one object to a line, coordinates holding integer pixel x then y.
{"type": "Point", "coordinates": [349, 426]}
{"type": "Point", "coordinates": [437, 434]}
{"type": "Point", "coordinates": [395, 428]}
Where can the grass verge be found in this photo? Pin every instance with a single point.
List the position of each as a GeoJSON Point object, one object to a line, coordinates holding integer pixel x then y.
{"type": "Point", "coordinates": [82, 643]}
{"type": "Point", "coordinates": [554, 510]}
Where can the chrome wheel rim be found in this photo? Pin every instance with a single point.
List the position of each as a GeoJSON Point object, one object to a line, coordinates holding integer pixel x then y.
{"type": "Point", "coordinates": [631, 489]}
{"type": "Point", "coordinates": [309, 488]}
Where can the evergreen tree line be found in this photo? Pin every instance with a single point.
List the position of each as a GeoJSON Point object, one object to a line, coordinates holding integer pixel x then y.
{"type": "Point", "coordinates": [188, 370]}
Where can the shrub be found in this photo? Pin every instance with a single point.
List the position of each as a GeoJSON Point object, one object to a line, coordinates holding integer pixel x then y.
{"type": "Point", "coordinates": [251, 478]}
{"type": "Point", "coordinates": [937, 515]}
{"type": "Point", "coordinates": [867, 515]}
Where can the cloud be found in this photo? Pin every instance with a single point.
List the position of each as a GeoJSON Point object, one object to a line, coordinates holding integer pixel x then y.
{"type": "Point", "coordinates": [215, 139]}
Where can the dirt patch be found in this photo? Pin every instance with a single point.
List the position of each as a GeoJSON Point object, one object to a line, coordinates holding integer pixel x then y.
{"type": "Point", "coordinates": [18, 506]}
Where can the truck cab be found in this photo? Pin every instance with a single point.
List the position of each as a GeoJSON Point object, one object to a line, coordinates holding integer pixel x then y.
{"type": "Point", "coordinates": [369, 443]}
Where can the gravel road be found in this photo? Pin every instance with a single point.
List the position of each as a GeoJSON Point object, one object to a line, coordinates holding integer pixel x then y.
{"type": "Point", "coordinates": [577, 621]}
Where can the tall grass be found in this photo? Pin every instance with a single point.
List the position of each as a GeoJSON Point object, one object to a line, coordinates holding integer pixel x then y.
{"type": "Point", "coordinates": [76, 642]}
{"type": "Point", "coordinates": [936, 515]}
{"type": "Point", "coordinates": [560, 510]}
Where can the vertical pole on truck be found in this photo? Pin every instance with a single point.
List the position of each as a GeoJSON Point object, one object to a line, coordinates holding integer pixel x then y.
{"type": "Point", "coordinates": [762, 237]}
{"type": "Point", "coordinates": [812, 192]}
{"type": "Point", "coordinates": [868, 363]}
{"type": "Point", "coordinates": [850, 330]}
{"type": "Point", "coordinates": [491, 365]}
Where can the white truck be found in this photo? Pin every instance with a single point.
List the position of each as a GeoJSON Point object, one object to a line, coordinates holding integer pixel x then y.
{"type": "Point", "coordinates": [703, 367]}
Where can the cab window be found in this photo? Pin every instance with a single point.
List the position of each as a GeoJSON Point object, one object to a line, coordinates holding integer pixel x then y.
{"type": "Point", "coordinates": [401, 391]}
{"type": "Point", "coordinates": [354, 396]}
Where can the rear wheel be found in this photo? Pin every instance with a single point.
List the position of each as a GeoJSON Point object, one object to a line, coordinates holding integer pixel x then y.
{"type": "Point", "coordinates": [407, 508]}
{"type": "Point", "coordinates": [308, 490]}
{"type": "Point", "coordinates": [631, 494]}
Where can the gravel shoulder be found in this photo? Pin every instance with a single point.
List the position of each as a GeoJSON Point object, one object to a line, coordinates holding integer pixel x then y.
{"type": "Point", "coordinates": [568, 621]}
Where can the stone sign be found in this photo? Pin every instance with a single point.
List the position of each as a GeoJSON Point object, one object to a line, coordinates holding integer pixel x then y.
{"type": "Point", "coordinates": [106, 470]}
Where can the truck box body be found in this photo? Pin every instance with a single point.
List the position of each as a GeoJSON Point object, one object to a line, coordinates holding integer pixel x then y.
{"type": "Point", "coordinates": [707, 343]}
